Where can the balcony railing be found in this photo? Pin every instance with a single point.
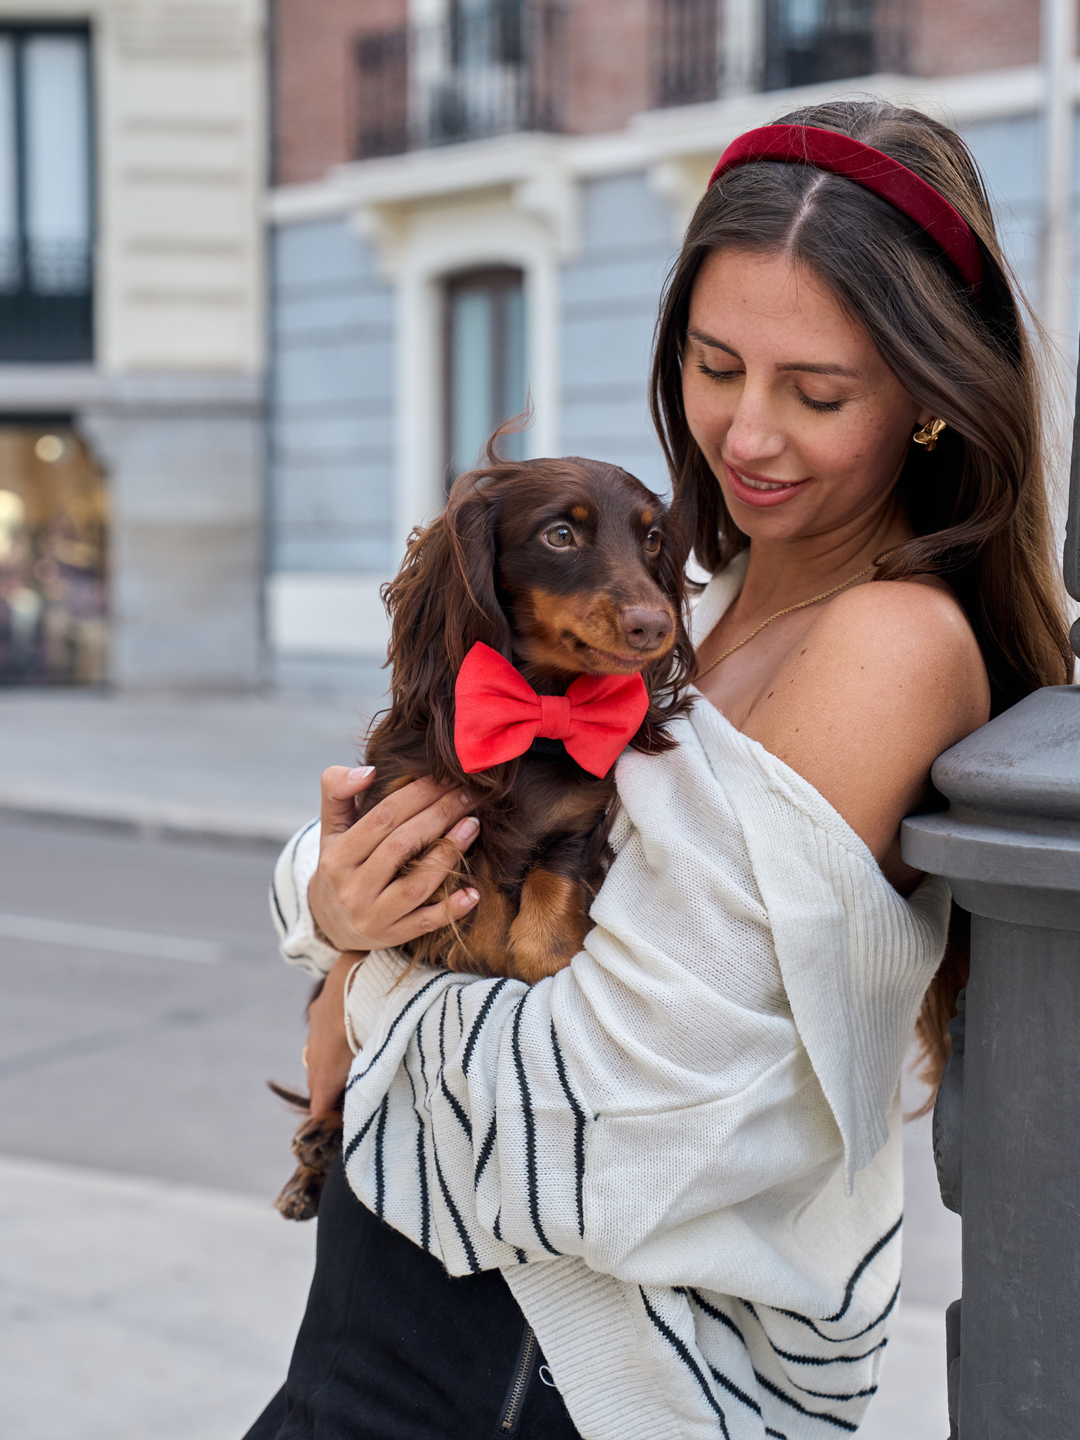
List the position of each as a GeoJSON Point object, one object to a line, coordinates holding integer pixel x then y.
{"type": "Point", "coordinates": [795, 42]}
{"type": "Point", "coordinates": [485, 70]}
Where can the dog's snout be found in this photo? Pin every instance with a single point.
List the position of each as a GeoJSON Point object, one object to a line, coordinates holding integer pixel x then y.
{"type": "Point", "coordinates": [645, 629]}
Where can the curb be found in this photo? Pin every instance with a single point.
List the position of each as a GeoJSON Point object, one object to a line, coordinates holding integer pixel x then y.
{"type": "Point", "coordinates": [154, 820]}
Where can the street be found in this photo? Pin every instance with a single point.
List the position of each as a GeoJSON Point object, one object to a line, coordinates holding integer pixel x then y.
{"type": "Point", "coordinates": [149, 1290]}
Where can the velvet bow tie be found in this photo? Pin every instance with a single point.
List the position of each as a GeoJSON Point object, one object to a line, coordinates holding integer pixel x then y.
{"type": "Point", "coordinates": [498, 714]}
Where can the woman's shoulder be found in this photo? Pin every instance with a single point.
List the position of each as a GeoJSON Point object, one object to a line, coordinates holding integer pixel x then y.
{"type": "Point", "coordinates": [907, 639]}
{"type": "Point", "coordinates": [888, 676]}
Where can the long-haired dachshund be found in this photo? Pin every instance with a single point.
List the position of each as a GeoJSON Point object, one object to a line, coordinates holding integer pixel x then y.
{"type": "Point", "coordinates": [565, 569]}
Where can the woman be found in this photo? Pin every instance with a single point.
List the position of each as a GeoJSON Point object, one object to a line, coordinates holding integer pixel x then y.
{"type": "Point", "coordinates": [672, 1171]}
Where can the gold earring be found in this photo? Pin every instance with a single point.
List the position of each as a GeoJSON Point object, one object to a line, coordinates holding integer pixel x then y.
{"type": "Point", "coordinates": [928, 435]}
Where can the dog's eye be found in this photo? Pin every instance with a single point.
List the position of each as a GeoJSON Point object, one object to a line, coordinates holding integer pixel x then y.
{"type": "Point", "coordinates": [559, 536]}
{"type": "Point", "coordinates": [652, 542]}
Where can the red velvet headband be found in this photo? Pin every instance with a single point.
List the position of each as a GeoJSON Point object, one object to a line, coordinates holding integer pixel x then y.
{"type": "Point", "coordinates": [873, 170]}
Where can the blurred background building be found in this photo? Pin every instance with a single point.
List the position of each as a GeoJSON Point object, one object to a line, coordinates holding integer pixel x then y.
{"type": "Point", "coordinates": [463, 203]}
{"type": "Point", "coordinates": [475, 200]}
{"type": "Point", "coordinates": [132, 303]}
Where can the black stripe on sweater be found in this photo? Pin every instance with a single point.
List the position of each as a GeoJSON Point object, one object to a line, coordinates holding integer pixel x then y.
{"type": "Point", "coordinates": [729, 1324]}
{"type": "Point", "coordinates": [455, 1106]}
{"type": "Point", "coordinates": [530, 1132]}
{"type": "Point", "coordinates": [474, 1033]}
{"type": "Point", "coordinates": [579, 1131]}
{"type": "Point", "coordinates": [380, 1174]}
{"type": "Point", "coordinates": [832, 1339]}
{"type": "Point", "coordinates": [733, 1389]}
{"type": "Point", "coordinates": [794, 1404]}
{"type": "Point", "coordinates": [277, 906]}
{"type": "Point", "coordinates": [829, 1395]}
{"type": "Point", "coordinates": [292, 861]}
{"type": "Point", "coordinates": [828, 1359]}
{"type": "Point", "coordinates": [435, 980]}
{"type": "Point", "coordinates": [485, 1151]}
{"type": "Point", "coordinates": [350, 1149]}
{"type": "Point", "coordinates": [683, 1352]}
{"type": "Point", "coordinates": [455, 1215]}
{"type": "Point", "coordinates": [425, 1209]}
{"type": "Point", "coordinates": [874, 1250]}
{"type": "Point", "coordinates": [719, 1315]}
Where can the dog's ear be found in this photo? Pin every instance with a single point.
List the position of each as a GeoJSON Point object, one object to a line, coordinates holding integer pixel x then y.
{"type": "Point", "coordinates": [668, 679]}
{"type": "Point", "coordinates": [443, 600]}
{"type": "Point", "coordinates": [473, 608]}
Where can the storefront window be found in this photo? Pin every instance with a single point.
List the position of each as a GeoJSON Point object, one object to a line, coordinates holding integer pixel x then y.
{"type": "Point", "coordinates": [52, 558]}
{"type": "Point", "coordinates": [485, 362]}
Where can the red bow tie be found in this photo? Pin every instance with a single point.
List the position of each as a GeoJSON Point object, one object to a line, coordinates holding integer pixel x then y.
{"type": "Point", "coordinates": [499, 714]}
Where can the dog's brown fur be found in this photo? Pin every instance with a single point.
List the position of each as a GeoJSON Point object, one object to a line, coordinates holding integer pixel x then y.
{"type": "Point", "coordinates": [493, 568]}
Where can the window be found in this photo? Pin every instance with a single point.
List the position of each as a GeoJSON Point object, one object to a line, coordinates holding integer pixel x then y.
{"type": "Point", "coordinates": [53, 624]}
{"type": "Point", "coordinates": [471, 68]}
{"type": "Point", "coordinates": [684, 51]}
{"type": "Point", "coordinates": [46, 195]}
{"type": "Point", "coordinates": [485, 362]}
{"type": "Point", "coordinates": [811, 41]}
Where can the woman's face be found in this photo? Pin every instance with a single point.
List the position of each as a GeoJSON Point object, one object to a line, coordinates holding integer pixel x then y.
{"type": "Point", "coordinates": [802, 422]}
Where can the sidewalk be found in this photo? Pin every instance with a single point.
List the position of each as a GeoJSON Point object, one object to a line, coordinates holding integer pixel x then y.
{"type": "Point", "coordinates": [139, 1310]}
{"type": "Point", "coordinates": [131, 1309]}
{"type": "Point", "coordinates": [239, 767]}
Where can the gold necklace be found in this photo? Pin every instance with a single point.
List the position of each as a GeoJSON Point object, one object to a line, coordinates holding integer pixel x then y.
{"type": "Point", "coordinates": [787, 610]}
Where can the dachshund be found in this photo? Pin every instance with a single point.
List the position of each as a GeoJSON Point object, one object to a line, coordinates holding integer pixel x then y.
{"type": "Point", "coordinates": [565, 568]}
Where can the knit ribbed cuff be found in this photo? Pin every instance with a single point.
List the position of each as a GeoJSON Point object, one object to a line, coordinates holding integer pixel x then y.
{"type": "Point", "coordinates": [379, 982]}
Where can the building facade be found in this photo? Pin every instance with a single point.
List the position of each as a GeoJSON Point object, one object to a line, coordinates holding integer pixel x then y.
{"type": "Point", "coordinates": [132, 350]}
{"type": "Point", "coordinates": [478, 200]}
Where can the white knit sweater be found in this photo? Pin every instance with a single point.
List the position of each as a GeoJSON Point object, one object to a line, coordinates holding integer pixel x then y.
{"type": "Point", "coordinates": [683, 1150]}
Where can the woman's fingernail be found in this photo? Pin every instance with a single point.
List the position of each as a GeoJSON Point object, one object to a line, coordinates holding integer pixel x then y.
{"type": "Point", "coordinates": [470, 897]}
{"type": "Point", "coordinates": [466, 829]}
{"type": "Point", "coordinates": [466, 798]}
{"type": "Point", "coordinates": [360, 773]}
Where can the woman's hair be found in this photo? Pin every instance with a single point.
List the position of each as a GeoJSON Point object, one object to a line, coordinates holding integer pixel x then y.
{"type": "Point", "coordinates": [977, 503]}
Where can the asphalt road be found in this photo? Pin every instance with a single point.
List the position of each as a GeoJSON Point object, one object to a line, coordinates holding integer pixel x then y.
{"type": "Point", "coordinates": [144, 1006]}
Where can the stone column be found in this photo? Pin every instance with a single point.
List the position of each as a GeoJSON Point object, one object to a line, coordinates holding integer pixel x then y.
{"type": "Point", "coordinates": [1007, 1127]}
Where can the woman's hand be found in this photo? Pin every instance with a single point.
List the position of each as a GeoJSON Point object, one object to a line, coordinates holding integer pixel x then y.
{"type": "Point", "coordinates": [358, 899]}
{"type": "Point", "coordinates": [328, 1052]}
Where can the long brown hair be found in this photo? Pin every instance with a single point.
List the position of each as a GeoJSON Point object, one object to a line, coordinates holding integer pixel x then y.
{"type": "Point", "coordinates": [978, 503]}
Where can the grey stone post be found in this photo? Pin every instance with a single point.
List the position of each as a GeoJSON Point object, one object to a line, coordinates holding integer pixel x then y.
{"type": "Point", "coordinates": [1007, 1122]}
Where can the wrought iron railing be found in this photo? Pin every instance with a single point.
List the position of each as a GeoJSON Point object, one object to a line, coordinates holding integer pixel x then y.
{"type": "Point", "coordinates": [798, 42]}
{"type": "Point", "coordinates": [485, 70]}
{"type": "Point", "coordinates": [686, 51]}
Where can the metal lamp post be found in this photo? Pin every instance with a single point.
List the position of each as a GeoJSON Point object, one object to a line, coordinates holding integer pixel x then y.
{"type": "Point", "coordinates": [1007, 1121]}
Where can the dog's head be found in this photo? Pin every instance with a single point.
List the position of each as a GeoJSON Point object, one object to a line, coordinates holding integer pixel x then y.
{"type": "Point", "coordinates": [565, 567]}
{"type": "Point", "coordinates": [589, 571]}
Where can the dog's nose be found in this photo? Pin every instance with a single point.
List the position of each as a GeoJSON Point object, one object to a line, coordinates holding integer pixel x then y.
{"type": "Point", "coordinates": [645, 629]}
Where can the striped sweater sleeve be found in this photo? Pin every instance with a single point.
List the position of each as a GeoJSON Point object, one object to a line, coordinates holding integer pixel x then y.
{"type": "Point", "coordinates": [289, 910]}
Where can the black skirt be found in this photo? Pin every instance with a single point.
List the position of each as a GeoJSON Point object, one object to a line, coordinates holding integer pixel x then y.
{"type": "Point", "coordinates": [393, 1348]}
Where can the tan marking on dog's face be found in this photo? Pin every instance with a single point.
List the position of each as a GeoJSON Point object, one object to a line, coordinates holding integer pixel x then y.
{"type": "Point", "coordinates": [580, 513]}
{"type": "Point", "coordinates": [582, 633]}
{"type": "Point", "coordinates": [552, 921]}
{"type": "Point", "coordinates": [647, 517]}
